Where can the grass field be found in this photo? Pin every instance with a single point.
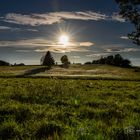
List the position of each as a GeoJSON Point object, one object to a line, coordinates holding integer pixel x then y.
{"type": "Point", "coordinates": [91, 71]}
{"type": "Point", "coordinates": [41, 108]}
{"type": "Point", "coordinates": [6, 71]}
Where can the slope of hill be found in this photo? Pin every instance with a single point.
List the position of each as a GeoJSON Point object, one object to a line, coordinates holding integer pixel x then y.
{"type": "Point", "coordinates": [92, 71]}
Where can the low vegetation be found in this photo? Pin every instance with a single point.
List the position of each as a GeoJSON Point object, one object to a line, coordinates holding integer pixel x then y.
{"type": "Point", "coordinates": [68, 109]}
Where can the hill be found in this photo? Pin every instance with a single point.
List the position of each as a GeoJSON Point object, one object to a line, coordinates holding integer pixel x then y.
{"type": "Point", "coordinates": [93, 71]}
{"type": "Point", "coordinates": [89, 71]}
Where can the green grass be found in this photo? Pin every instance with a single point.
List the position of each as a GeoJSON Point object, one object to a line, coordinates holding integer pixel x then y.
{"type": "Point", "coordinates": [68, 109]}
{"type": "Point", "coordinates": [7, 71]}
{"type": "Point", "coordinates": [93, 71]}
{"type": "Point", "coordinates": [89, 71]}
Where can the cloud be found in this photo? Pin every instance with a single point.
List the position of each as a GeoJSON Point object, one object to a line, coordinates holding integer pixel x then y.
{"type": "Point", "coordinates": [16, 29]}
{"type": "Point", "coordinates": [5, 28]}
{"type": "Point", "coordinates": [32, 30]}
{"type": "Point", "coordinates": [24, 43]}
{"type": "Point", "coordinates": [86, 44]}
{"type": "Point", "coordinates": [33, 20]}
{"type": "Point", "coordinates": [36, 19]}
{"type": "Point", "coordinates": [121, 50]}
{"type": "Point", "coordinates": [23, 51]}
{"type": "Point", "coordinates": [76, 57]}
{"type": "Point", "coordinates": [124, 37]}
{"type": "Point", "coordinates": [117, 17]}
{"type": "Point", "coordinates": [43, 45]}
{"type": "Point", "coordinates": [52, 17]}
{"type": "Point", "coordinates": [62, 50]}
{"type": "Point", "coordinates": [97, 55]}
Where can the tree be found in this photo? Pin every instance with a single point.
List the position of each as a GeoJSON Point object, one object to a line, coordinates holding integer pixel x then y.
{"type": "Point", "coordinates": [47, 60]}
{"type": "Point", "coordinates": [126, 63]}
{"type": "Point", "coordinates": [116, 60]}
{"type": "Point", "coordinates": [4, 63]}
{"type": "Point", "coordinates": [65, 61]}
{"type": "Point", "coordinates": [20, 64]}
{"type": "Point", "coordinates": [88, 63]}
{"type": "Point", "coordinates": [130, 10]}
{"type": "Point", "coordinates": [109, 60]}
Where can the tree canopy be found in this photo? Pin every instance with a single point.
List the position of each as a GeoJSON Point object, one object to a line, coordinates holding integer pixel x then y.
{"type": "Point", "coordinates": [116, 60]}
{"type": "Point", "coordinates": [65, 61]}
{"type": "Point", "coordinates": [130, 10]}
{"type": "Point", "coordinates": [47, 60]}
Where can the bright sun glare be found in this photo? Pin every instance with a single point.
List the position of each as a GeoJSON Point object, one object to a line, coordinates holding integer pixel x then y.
{"type": "Point", "coordinates": [64, 39]}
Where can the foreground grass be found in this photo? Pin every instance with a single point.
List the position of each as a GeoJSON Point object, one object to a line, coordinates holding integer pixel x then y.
{"type": "Point", "coordinates": [68, 109]}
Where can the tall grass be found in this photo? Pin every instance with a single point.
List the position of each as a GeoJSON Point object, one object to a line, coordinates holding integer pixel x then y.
{"type": "Point", "coordinates": [69, 109]}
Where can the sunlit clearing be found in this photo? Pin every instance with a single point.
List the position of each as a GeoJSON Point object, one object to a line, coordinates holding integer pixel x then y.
{"type": "Point", "coordinates": [64, 40]}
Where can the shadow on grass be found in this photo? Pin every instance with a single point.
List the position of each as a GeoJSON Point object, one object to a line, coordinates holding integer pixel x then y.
{"type": "Point", "coordinates": [34, 71]}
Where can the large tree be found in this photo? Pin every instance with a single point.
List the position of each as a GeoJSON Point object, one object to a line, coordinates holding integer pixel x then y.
{"type": "Point", "coordinates": [130, 10]}
{"type": "Point", "coordinates": [47, 60]}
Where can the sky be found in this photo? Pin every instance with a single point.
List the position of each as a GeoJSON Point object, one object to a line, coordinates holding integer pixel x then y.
{"type": "Point", "coordinates": [30, 28]}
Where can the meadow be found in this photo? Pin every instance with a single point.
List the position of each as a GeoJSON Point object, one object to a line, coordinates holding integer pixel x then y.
{"type": "Point", "coordinates": [82, 102]}
{"type": "Point", "coordinates": [68, 109]}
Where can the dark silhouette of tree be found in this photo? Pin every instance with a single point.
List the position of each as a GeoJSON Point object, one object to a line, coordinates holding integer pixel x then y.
{"type": "Point", "coordinates": [116, 60]}
{"type": "Point", "coordinates": [4, 63]}
{"type": "Point", "coordinates": [126, 63]}
{"type": "Point", "coordinates": [130, 10]}
{"type": "Point", "coordinates": [88, 63]}
{"type": "Point", "coordinates": [109, 60]}
{"type": "Point", "coordinates": [101, 60]}
{"type": "Point", "coordinates": [47, 60]}
{"type": "Point", "coordinates": [20, 64]}
{"type": "Point", "coordinates": [65, 61]}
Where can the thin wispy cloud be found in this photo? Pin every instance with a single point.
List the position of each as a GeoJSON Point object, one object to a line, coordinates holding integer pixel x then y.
{"type": "Point", "coordinates": [122, 50]}
{"type": "Point", "coordinates": [23, 51]}
{"type": "Point", "coordinates": [62, 49]}
{"type": "Point", "coordinates": [76, 57]}
{"type": "Point", "coordinates": [86, 44]}
{"type": "Point", "coordinates": [16, 29]}
{"type": "Point", "coordinates": [58, 17]}
{"type": "Point", "coordinates": [124, 37]}
{"type": "Point", "coordinates": [97, 55]}
{"type": "Point", "coordinates": [117, 17]}
{"type": "Point", "coordinates": [5, 28]}
{"type": "Point", "coordinates": [43, 45]}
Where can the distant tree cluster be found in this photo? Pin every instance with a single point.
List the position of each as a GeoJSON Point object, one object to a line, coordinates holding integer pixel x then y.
{"type": "Point", "coordinates": [49, 61]}
{"type": "Point", "coordinates": [130, 10]}
{"type": "Point", "coordinates": [116, 60]}
{"type": "Point", "coordinates": [20, 64]}
{"type": "Point", "coordinates": [4, 63]}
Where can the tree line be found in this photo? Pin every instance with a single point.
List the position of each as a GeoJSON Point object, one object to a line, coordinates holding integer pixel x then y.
{"type": "Point", "coordinates": [116, 60]}
{"type": "Point", "coordinates": [48, 60]}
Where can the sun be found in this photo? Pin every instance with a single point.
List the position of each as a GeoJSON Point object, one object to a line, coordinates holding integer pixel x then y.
{"type": "Point", "coordinates": [64, 39]}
